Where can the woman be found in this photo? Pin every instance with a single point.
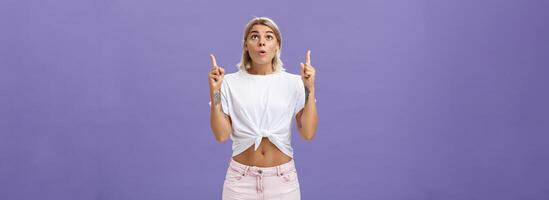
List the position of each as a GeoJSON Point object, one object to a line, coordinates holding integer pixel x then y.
{"type": "Point", "coordinates": [255, 107]}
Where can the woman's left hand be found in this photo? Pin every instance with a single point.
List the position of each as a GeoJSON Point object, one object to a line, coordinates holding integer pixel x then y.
{"type": "Point", "coordinates": [308, 72]}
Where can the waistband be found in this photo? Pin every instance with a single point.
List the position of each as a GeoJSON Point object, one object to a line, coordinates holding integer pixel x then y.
{"type": "Point", "coordinates": [278, 170]}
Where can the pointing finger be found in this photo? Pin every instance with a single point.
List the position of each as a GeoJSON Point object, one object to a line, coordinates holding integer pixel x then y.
{"type": "Point", "coordinates": [214, 62]}
{"type": "Point", "coordinates": [308, 58]}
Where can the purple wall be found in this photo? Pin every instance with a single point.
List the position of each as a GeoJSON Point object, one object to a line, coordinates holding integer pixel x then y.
{"type": "Point", "coordinates": [418, 100]}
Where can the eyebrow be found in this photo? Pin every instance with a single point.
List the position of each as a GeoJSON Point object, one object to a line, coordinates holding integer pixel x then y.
{"type": "Point", "coordinates": [258, 32]}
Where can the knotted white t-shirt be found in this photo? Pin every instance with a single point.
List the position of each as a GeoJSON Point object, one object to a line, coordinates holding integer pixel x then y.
{"type": "Point", "coordinates": [262, 106]}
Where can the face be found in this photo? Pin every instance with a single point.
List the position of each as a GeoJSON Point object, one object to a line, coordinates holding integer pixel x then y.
{"type": "Point", "coordinates": [261, 44]}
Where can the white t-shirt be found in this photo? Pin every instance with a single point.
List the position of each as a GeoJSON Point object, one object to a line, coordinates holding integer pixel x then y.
{"type": "Point", "coordinates": [262, 106]}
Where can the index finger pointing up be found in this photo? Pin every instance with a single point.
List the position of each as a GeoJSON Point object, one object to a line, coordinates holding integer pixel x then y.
{"type": "Point", "coordinates": [214, 63]}
{"type": "Point", "coordinates": [308, 58]}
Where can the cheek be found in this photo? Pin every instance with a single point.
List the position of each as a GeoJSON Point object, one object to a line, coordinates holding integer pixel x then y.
{"type": "Point", "coordinates": [249, 44]}
{"type": "Point", "coordinates": [273, 47]}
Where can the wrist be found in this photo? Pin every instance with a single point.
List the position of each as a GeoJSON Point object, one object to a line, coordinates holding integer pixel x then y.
{"type": "Point", "coordinates": [309, 93]}
{"type": "Point", "coordinates": [310, 89]}
{"type": "Point", "coordinates": [215, 98]}
{"type": "Point", "coordinates": [212, 91]}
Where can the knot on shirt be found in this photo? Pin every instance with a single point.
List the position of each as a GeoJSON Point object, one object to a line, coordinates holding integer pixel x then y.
{"type": "Point", "coordinates": [262, 133]}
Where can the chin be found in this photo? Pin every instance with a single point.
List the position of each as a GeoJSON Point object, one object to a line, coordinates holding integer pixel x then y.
{"type": "Point", "coordinates": [262, 61]}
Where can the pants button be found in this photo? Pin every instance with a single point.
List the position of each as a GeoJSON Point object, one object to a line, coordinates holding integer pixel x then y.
{"type": "Point", "coordinates": [259, 171]}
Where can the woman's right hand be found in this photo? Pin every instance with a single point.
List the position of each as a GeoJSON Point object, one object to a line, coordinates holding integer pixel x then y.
{"type": "Point", "coordinates": [215, 76]}
{"type": "Point", "coordinates": [219, 121]}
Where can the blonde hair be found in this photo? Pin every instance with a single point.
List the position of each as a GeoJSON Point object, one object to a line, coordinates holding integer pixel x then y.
{"type": "Point", "coordinates": [246, 59]}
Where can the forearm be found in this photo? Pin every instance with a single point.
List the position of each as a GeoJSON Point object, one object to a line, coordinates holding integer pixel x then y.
{"type": "Point", "coordinates": [219, 121]}
{"type": "Point", "coordinates": [309, 116]}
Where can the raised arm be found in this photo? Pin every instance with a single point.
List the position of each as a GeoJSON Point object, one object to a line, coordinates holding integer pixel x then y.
{"type": "Point", "coordinates": [219, 121]}
{"type": "Point", "coordinates": [307, 118]}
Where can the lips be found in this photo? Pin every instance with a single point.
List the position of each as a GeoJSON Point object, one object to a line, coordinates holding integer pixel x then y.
{"type": "Point", "coordinates": [262, 52]}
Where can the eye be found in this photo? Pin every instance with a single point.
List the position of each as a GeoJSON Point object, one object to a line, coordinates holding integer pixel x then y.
{"type": "Point", "coordinates": [270, 37]}
{"type": "Point", "coordinates": [253, 37]}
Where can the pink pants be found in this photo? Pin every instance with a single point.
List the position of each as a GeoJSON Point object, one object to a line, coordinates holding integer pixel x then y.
{"type": "Point", "coordinates": [262, 183]}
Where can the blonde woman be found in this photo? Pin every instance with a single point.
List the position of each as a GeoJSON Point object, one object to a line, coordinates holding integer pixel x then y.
{"type": "Point", "coordinates": [255, 107]}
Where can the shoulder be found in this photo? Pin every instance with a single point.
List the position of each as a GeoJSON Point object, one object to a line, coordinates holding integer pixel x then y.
{"type": "Point", "coordinates": [292, 81]}
{"type": "Point", "coordinates": [231, 75]}
{"type": "Point", "coordinates": [290, 76]}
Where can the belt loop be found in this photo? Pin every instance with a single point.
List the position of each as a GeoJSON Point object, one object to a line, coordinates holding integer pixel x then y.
{"type": "Point", "coordinates": [278, 171]}
{"type": "Point", "coordinates": [246, 170]}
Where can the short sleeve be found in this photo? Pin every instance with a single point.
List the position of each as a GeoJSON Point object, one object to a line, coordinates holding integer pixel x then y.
{"type": "Point", "coordinates": [300, 96]}
{"type": "Point", "coordinates": [224, 98]}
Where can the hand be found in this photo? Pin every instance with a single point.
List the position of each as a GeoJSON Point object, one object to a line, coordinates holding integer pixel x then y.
{"type": "Point", "coordinates": [215, 76]}
{"type": "Point", "coordinates": [308, 72]}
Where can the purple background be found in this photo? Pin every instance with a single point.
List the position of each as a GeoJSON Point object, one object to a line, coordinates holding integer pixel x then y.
{"type": "Point", "coordinates": [418, 100]}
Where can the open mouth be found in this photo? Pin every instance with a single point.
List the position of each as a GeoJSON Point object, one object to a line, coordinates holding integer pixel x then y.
{"type": "Point", "coordinates": [262, 52]}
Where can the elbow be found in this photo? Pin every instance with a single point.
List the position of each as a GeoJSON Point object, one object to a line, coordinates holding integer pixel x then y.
{"type": "Point", "coordinates": [221, 139]}
{"type": "Point", "coordinates": [308, 130]}
{"type": "Point", "coordinates": [309, 138]}
{"type": "Point", "coordinates": [308, 135]}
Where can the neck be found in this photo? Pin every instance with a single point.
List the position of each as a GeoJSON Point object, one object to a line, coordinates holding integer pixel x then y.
{"type": "Point", "coordinates": [260, 69]}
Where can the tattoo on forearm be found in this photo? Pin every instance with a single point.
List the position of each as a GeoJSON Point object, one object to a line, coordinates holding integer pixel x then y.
{"type": "Point", "coordinates": [307, 91]}
{"type": "Point", "coordinates": [216, 97]}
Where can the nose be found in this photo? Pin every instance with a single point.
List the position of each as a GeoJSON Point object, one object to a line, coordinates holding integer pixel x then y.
{"type": "Point", "coordinates": [261, 41]}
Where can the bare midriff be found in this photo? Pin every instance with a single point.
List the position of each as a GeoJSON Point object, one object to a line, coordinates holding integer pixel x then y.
{"type": "Point", "coordinates": [267, 155]}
